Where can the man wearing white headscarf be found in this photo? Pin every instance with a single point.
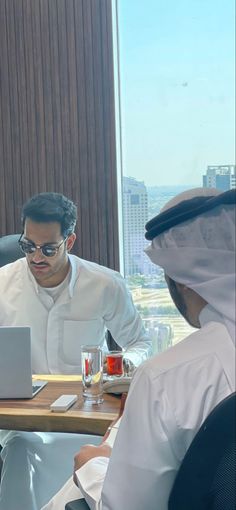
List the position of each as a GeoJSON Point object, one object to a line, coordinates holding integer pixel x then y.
{"type": "Point", "coordinates": [171, 395]}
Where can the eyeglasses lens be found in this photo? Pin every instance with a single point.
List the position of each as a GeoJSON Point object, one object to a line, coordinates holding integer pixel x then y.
{"type": "Point", "coordinates": [47, 251]}
{"type": "Point", "coordinates": [27, 247]}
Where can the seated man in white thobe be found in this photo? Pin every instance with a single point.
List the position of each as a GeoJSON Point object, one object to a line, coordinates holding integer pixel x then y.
{"type": "Point", "coordinates": [171, 395]}
{"type": "Point", "coordinates": [67, 302]}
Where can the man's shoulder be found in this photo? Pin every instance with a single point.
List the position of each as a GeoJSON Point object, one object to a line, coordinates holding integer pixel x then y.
{"type": "Point", "coordinates": [188, 380]}
{"type": "Point", "coordinates": [205, 342]}
{"type": "Point", "coordinates": [13, 275]}
{"type": "Point", "coordinates": [13, 268]}
{"type": "Point", "coordinates": [94, 270]}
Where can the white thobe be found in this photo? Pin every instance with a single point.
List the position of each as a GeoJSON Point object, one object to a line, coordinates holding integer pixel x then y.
{"type": "Point", "coordinates": [170, 397]}
{"type": "Point", "coordinates": [95, 299]}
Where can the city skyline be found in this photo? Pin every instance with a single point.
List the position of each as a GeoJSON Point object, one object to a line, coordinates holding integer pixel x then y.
{"type": "Point", "coordinates": [141, 202]}
{"type": "Point", "coordinates": [177, 89]}
{"type": "Point", "coordinates": [228, 170]}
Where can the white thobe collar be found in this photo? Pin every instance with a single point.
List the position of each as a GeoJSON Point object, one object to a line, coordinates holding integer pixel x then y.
{"type": "Point", "coordinates": [73, 277]}
{"type": "Point", "coordinates": [209, 314]}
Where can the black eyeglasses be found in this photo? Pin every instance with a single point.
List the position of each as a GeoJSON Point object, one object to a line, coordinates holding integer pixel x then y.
{"type": "Point", "coordinates": [47, 250]}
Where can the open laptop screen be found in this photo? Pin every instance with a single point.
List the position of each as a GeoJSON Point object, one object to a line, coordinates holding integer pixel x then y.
{"type": "Point", "coordinates": [15, 364]}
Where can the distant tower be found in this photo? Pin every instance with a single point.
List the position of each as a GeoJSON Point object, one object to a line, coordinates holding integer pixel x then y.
{"type": "Point", "coordinates": [135, 216]}
{"type": "Point", "coordinates": [233, 178]}
{"type": "Point", "coordinates": [221, 177]}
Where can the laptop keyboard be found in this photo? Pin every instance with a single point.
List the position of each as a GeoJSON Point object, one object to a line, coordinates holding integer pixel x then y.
{"type": "Point", "coordinates": [35, 387]}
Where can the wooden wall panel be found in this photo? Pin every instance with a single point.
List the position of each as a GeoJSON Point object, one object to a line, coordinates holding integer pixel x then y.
{"type": "Point", "coordinates": [57, 119]}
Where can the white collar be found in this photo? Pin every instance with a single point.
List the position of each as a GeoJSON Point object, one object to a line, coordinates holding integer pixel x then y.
{"type": "Point", "coordinates": [73, 276]}
{"type": "Point", "coordinates": [209, 314]}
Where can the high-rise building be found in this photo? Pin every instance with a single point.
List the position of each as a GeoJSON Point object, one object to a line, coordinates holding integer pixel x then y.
{"type": "Point", "coordinates": [233, 178]}
{"type": "Point", "coordinates": [135, 216]}
{"type": "Point", "coordinates": [222, 177]}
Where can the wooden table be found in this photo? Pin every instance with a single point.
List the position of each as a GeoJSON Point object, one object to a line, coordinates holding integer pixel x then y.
{"type": "Point", "coordinates": [35, 414]}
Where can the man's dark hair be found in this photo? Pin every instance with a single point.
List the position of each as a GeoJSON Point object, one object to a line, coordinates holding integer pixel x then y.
{"type": "Point", "coordinates": [49, 207]}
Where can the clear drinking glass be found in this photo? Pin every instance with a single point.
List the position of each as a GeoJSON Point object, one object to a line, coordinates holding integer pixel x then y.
{"type": "Point", "coordinates": [92, 373]}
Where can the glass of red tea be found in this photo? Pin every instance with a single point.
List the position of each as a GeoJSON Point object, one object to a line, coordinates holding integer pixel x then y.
{"type": "Point", "coordinates": [114, 361]}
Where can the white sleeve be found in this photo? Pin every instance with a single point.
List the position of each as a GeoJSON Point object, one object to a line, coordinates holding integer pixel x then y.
{"type": "Point", "coordinates": [144, 459]}
{"type": "Point", "coordinates": [90, 478]}
{"type": "Point", "coordinates": [144, 462]}
{"type": "Point", "coordinates": [68, 492]}
{"type": "Point", "coordinates": [125, 324]}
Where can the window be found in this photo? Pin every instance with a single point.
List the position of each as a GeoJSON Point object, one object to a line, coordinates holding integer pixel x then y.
{"type": "Point", "coordinates": [176, 97]}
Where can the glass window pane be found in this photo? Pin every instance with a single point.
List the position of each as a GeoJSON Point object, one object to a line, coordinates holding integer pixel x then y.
{"type": "Point", "coordinates": [176, 69]}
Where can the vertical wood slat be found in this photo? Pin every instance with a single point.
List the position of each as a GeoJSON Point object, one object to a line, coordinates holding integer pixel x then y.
{"type": "Point", "coordinates": [101, 183]}
{"type": "Point", "coordinates": [89, 97]}
{"type": "Point", "coordinates": [74, 177]}
{"type": "Point", "coordinates": [47, 95]}
{"type": "Point", "coordinates": [3, 213]}
{"type": "Point", "coordinates": [83, 198]}
{"type": "Point", "coordinates": [22, 103]}
{"type": "Point", "coordinates": [6, 156]}
{"type": "Point", "coordinates": [57, 125]}
{"type": "Point", "coordinates": [64, 92]}
{"type": "Point", "coordinates": [56, 102]}
{"type": "Point", "coordinates": [14, 100]}
{"type": "Point", "coordinates": [31, 181]}
{"type": "Point", "coordinates": [39, 95]}
{"type": "Point", "coordinates": [109, 134]}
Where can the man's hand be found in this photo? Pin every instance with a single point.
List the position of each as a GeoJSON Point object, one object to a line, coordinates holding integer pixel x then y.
{"type": "Point", "coordinates": [122, 406]}
{"type": "Point", "coordinates": [88, 452]}
{"type": "Point", "coordinates": [128, 367]}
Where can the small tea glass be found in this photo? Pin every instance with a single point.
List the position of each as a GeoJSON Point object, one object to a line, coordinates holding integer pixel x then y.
{"type": "Point", "coordinates": [114, 361]}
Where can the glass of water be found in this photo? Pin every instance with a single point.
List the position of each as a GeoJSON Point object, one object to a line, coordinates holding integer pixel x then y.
{"type": "Point", "coordinates": [92, 373]}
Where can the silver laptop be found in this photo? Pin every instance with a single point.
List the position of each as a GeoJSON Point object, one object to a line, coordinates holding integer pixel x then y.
{"type": "Point", "coordinates": [15, 364]}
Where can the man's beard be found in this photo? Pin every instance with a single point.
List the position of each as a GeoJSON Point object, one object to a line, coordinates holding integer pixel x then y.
{"type": "Point", "coordinates": [178, 300]}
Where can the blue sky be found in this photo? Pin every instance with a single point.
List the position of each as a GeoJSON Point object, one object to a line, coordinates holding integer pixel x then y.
{"type": "Point", "coordinates": [177, 88]}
